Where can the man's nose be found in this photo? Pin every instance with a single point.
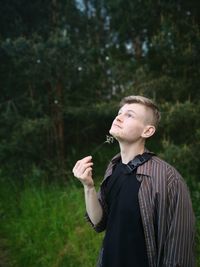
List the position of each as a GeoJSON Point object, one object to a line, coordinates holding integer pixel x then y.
{"type": "Point", "coordinates": [119, 117]}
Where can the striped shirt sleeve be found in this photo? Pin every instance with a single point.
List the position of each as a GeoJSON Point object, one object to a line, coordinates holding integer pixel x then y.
{"type": "Point", "coordinates": [178, 247]}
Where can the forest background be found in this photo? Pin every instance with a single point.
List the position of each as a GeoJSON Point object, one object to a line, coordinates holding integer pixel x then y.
{"type": "Point", "coordinates": [64, 67]}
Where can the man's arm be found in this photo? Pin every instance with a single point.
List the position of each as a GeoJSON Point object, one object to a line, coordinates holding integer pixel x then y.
{"type": "Point", "coordinates": [93, 207]}
{"type": "Point", "coordinates": [179, 244]}
{"type": "Point", "coordinates": [83, 171]}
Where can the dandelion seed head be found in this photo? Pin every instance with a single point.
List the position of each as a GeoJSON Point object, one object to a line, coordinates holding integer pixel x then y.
{"type": "Point", "coordinates": [109, 139]}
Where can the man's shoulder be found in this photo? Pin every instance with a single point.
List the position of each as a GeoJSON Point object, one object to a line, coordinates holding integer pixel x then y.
{"type": "Point", "coordinates": [160, 162]}
{"type": "Point", "coordinates": [162, 167]}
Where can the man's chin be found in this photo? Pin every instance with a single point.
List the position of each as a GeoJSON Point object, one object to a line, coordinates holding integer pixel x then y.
{"type": "Point", "coordinates": [112, 132]}
{"type": "Point", "coordinates": [115, 134]}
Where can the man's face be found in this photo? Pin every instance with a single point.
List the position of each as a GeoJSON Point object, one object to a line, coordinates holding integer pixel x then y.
{"type": "Point", "coordinates": [130, 123]}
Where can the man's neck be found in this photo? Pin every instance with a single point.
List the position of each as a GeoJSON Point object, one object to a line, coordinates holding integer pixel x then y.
{"type": "Point", "coordinates": [129, 151]}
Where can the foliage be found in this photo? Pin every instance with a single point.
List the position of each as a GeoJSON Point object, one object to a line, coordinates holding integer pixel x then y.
{"type": "Point", "coordinates": [64, 67]}
{"type": "Point", "coordinates": [63, 81]}
{"type": "Point", "coordinates": [45, 226]}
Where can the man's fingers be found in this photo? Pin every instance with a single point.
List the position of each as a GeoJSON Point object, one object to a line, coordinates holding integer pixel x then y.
{"type": "Point", "coordinates": [83, 170]}
{"type": "Point", "coordinates": [81, 166]}
{"type": "Point", "coordinates": [88, 172]}
{"type": "Point", "coordinates": [81, 162]}
{"type": "Point", "coordinates": [84, 160]}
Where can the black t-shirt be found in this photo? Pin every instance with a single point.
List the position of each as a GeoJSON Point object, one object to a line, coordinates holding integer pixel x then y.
{"type": "Point", "coordinates": [124, 242]}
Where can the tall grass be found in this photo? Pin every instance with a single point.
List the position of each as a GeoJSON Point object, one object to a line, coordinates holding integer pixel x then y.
{"type": "Point", "coordinates": [45, 227]}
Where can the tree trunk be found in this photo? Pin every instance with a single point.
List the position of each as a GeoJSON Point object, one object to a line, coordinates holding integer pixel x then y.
{"type": "Point", "coordinates": [55, 137]}
{"type": "Point", "coordinates": [59, 126]}
{"type": "Point", "coordinates": [54, 12]}
{"type": "Point", "coordinates": [137, 47]}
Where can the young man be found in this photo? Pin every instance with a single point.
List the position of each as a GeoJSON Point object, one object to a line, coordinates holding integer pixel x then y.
{"type": "Point", "coordinates": [143, 202]}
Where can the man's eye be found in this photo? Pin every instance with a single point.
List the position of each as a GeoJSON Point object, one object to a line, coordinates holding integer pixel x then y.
{"type": "Point", "coordinates": [129, 115]}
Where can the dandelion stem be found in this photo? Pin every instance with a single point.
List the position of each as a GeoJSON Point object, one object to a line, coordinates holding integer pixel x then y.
{"type": "Point", "coordinates": [109, 140]}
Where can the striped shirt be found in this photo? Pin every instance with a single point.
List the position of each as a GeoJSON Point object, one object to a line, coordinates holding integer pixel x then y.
{"type": "Point", "coordinates": [166, 211]}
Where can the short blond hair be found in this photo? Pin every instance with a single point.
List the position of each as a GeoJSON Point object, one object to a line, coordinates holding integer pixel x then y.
{"type": "Point", "coordinates": [132, 99]}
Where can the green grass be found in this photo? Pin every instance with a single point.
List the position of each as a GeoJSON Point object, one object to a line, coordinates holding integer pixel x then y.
{"type": "Point", "coordinates": [44, 226]}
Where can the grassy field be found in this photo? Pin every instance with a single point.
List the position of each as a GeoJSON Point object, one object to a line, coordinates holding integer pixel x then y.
{"type": "Point", "coordinates": [44, 226]}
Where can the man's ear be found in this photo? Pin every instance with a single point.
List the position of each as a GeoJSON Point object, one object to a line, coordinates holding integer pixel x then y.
{"type": "Point", "coordinates": [149, 130]}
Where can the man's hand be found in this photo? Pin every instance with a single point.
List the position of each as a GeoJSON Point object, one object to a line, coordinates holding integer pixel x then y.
{"type": "Point", "coordinates": [83, 171]}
